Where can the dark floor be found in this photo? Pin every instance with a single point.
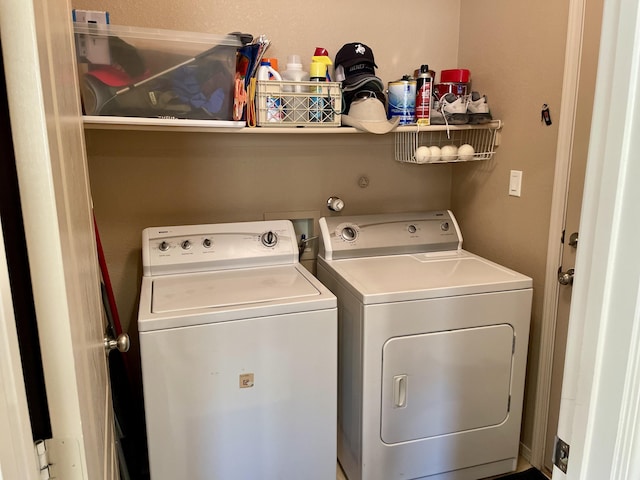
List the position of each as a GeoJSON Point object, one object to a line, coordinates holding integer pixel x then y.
{"type": "Point", "coordinates": [530, 474]}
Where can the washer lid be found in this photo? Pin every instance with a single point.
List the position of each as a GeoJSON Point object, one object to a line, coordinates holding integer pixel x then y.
{"type": "Point", "coordinates": [232, 288]}
{"type": "Point", "coordinates": [395, 278]}
{"type": "Point", "coordinates": [174, 301]}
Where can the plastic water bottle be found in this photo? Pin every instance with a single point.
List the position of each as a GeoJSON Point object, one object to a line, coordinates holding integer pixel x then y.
{"type": "Point", "coordinates": [317, 105]}
{"type": "Point", "coordinates": [273, 104]}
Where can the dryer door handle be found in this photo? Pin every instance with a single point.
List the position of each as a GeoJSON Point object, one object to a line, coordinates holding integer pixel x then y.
{"type": "Point", "coordinates": [400, 391]}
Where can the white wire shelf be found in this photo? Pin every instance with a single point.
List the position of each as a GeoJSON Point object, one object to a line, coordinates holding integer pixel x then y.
{"type": "Point", "coordinates": [483, 138]}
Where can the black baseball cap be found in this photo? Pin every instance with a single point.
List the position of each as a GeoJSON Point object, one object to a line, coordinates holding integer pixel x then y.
{"type": "Point", "coordinates": [355, 64]}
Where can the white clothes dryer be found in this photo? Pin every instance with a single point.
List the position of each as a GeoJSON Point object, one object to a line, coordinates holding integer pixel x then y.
{"type": "Point", "coordinates": [432, 349]}
{"type": "Point", "coordinates": [239, 355]}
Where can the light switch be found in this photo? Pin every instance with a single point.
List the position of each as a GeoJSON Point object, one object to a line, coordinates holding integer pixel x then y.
{"type": "Point", "coordinates": [515, 183]}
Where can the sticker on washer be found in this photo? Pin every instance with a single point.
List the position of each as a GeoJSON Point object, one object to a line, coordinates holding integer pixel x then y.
{"type": "Point", "coordinates": [246, 380]}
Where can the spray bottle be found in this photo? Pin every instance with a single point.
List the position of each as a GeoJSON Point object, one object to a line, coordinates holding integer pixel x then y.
{"type": "Point", "coordinates": [322, 56]}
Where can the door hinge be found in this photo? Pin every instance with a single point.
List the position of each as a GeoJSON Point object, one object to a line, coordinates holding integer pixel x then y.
{"type": "Point", "coordinates": [58, 459]}
{"type": "Point", "coordinates": [560, 454]}
{"type": "Point", "coordinates": [43, 460]}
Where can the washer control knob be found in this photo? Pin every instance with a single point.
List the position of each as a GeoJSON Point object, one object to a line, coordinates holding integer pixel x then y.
{"type": "Point", "coordinates": [164, 246]}
{"type": "Point", "coordinates": [186, 244]}
{"type": "Point", "coordinates": [349, 234]}
{"type": "Point", "coordinates": [269, 239]}
{"type": "Point", "coordinates": [207, 243]}
{"type": "Point", "coordinates": [444, 226]}
{"type": "Point", "coordinates": [412, 228]}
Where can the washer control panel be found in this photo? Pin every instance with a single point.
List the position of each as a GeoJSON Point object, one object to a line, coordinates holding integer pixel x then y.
{"type": "Point", "coordinates": [196, 248]}
{"type": "Point", "coordinates": [388, 234]}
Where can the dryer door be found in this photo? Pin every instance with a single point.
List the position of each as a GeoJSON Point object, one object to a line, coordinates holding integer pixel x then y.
{"type": "Point", "coordinates": [445, 382]}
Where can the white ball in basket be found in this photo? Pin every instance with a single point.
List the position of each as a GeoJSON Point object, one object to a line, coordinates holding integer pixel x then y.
{"type": "Point", "coordinates": [422, 154]}
{"type": "Point", "coordinates": [435, 153]}
{"type": "Point", "coordinates": [466, 152]}
{"type": "Point", "coordinates": [449, 152]}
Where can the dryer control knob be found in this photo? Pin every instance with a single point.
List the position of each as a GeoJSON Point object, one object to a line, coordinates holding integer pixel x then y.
{"type": "Point", "coordinates": [164, 246]}
{"type": "Point", "coordinates": [349, 234]}
{"type": "Point", "coordinates": [207, 243]}
{"type": "Point", "coordinates": [269, 239]}
{"type": "Point", "coordinates": [186, 245]}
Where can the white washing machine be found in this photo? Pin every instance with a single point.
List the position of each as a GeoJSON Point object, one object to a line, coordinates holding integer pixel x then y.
{"type": "Point", "coordinates": [432, 349]}
{"type": "Point", "coordinates": [239, 355]}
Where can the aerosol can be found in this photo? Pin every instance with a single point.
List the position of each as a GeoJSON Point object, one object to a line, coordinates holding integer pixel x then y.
{"type": "Point", "coordinates": [424, 85]}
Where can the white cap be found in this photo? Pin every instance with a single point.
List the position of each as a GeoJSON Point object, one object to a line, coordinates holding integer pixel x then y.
{"type": "Point", "coordinates": [293, 62]}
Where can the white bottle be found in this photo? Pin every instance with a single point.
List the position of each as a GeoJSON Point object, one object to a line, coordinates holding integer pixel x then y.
{"type": "Point", "coordinates": [273, 104]}
{"type": "Point", "coordinates": [265, 69]}
{"type": "Point", "coordinates": [296, 106]}
{"type": "Point", "coordinates": [294, 73]}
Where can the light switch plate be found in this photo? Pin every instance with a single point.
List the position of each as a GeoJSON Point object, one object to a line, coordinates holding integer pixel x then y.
{"type": "Point", "coordinates": [515, 183]}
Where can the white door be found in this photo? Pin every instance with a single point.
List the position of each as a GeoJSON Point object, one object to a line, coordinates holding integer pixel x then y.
{"type": "Point", "coordinates": [443, 383]}
{"type": "Point", "coordinates": [50, 157]}
{"type": "Point", "coordinates": [16, 445]}
{"type": "Point", "coordinates": [601, 386]}
{"type": "Point", "coordinates": [582, 125]}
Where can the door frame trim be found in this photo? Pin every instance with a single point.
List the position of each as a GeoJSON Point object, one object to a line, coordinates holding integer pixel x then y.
{"type": "Point", "coordinates": [566, 127]}
{"type": "Point", "coordinates": [17, 454]}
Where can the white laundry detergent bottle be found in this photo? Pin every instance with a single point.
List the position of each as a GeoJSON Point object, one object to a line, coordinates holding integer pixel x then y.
{"type": "Point", "coordinates": [273, 104]}
{"type": "Point", "coordinates": [296, 105]}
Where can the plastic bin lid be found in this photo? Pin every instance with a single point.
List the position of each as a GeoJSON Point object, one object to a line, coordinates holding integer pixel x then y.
{"type": "Point", "coordinates": [156, 34]}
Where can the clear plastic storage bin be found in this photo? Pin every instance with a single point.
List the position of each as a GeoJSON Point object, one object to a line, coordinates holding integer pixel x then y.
{"type": "Point", "coordinates": [140, 72]}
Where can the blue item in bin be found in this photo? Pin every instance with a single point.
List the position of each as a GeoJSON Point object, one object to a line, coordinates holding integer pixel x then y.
{"type": "Point", "coordinates": [189, 89]}
{"type": "Point", "coordinates": [194, 88]}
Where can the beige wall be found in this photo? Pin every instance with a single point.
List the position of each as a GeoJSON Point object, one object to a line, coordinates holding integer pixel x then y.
{"type": "Point", "coordinates": [402, 35]}
{"type": "Point", "coordinates": [515, 51]}
{"type": "Point", "coordinates": [159, 178]}
{"type": "Point", "coordinates": [143, 179]}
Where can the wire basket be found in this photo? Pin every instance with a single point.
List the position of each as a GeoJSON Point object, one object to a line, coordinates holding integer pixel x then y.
{"type": "Point", "coordinates": [483, 139]}
{"type": "Point", "coordinates": [280, 103]}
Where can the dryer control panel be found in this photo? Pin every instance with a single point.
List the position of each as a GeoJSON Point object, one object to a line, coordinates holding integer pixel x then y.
{"type": "Point", "coordinates": [388, 234]}
{"type": "Point", "coordinates": [223, 246]}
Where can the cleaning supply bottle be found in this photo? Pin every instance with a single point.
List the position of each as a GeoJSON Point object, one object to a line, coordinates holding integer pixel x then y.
{"type": "Point", "coordinates": [295, 105]}
{"type": "Point", "coordinates": [322, 56]}
{"type": "Point", "coordinates": [294, 72]}
{"type": "Point", "coordinates": [273, 62]}
{"type": "Point", "coordinates": [273, 104]}
{"type": "Point", "coordinates": [424, 87]}
{"type": "Point", "coordinates": [317, 104]}
{"type": "Point", "coordinates": [266, 71]}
